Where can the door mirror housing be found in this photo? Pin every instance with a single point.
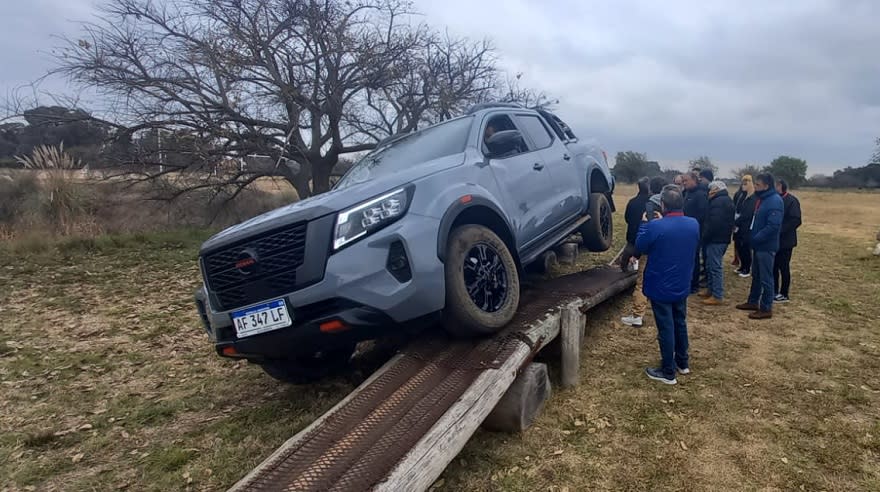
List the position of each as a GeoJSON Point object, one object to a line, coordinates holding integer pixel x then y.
{"type": "Point", "coordinates": [505, 142]}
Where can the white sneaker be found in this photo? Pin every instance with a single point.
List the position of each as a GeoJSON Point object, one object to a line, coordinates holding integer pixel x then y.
{"type": "Point", "coordinates": [635, 321]}
{"type": "Point", "coordinates": [684, 371]}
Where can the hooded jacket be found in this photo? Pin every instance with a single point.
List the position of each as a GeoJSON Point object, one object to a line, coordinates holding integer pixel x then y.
{"type": "Point", "coordinates": [767, 221]}
{"type": "Point", "coordinates": [634, 210]}
{"type": "Point", "coordinates": [696, 203]}
{"type": "Point", "coordinates": [719, 220]}
{"type": "Point", "coordinates": [791, 220]}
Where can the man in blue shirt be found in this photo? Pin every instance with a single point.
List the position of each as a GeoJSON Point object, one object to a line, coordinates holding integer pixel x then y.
{"type": "Point", "coordinates": [765, 228]}
{"type": "Point", "coordinates": [671, 243]}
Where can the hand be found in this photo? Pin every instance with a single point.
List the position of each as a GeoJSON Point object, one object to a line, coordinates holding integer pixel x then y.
{"type": "Point", "coordinates": [657, 215]}
{"type": "Point", "coordinates": [645, 216]}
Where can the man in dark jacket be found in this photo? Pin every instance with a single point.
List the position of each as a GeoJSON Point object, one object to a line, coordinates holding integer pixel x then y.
{"type": "Point", "coordinates": [634, 210]}
{"type": "Point", "coordinates": [670, 243]}
{"type": "Point", "coordinates": [765, 243]}
{"type": "Point", "coordinates": [637, 207]}
{"type": "Point", "coordinates": [696, 202]}
{"type": "Point", "coordinates": [791, 220]}
{"type": "Point", "coordinates": [716, 237]}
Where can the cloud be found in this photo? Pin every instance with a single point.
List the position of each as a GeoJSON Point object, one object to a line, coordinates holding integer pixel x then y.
{"type": "Point", "coordinates": [739, 81]}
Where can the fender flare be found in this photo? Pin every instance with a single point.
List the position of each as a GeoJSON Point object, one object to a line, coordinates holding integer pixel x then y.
{"type": "Point", "coordinates": [455, 210]}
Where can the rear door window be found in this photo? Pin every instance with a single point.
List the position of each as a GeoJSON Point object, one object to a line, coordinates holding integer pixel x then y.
{"type": "Point", "coordinates": [535, 129]}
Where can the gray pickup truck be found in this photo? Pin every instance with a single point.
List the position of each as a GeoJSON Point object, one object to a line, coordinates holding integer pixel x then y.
{"type": "Point", "coordinates": [431, 226]}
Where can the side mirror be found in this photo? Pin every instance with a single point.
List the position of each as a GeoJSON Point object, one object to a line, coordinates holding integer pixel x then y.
{"type": "Point", "coordinates": [504, 142]}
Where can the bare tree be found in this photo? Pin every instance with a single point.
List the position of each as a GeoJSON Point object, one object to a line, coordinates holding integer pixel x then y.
{"type": "Point", "coordinates": [301, 81]}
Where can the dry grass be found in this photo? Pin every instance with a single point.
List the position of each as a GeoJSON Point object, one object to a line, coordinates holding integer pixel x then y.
{"type": "Point", "coordinates": [108, 382]}
{"type": "Point", "coordinates": [36, 205]}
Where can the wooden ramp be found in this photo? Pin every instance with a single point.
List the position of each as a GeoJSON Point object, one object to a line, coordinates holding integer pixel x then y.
{"type": "Point", "coordinates": [401, 428]}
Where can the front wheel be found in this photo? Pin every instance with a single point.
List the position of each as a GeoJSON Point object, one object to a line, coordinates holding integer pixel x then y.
{"type": "Point", "coordinates": [309, 368]}
{"type": "Point", "coordinates": [596, 233]}
{"type": "Point", "coordinates": [482, 282]}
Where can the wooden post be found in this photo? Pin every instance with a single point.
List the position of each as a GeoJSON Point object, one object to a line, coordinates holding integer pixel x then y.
{"type": "Point", "coordinates": [570, 336]}
{"type": "Point", "coordinates": [523, 401]}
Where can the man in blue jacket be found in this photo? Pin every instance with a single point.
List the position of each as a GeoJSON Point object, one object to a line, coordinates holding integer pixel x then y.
{"type": "Point", "coordinates": [671, 244]}
{"type": "Point", "coordinates": [765, 228]}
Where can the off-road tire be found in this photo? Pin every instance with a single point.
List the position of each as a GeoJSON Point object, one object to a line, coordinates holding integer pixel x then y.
{"type": "Point", "coordinates": [310, 368]}
{"type": "Point", "coordinates": [462, 316]}
{"type": "Point", "coordinates": [595, 236]}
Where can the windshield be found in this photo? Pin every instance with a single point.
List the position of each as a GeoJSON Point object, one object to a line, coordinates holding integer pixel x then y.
{"type": "Point", "coordinates": [438, 141]}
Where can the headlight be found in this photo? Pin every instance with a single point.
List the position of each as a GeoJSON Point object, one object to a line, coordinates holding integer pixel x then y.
{"type": "Point", "coordinates": [360, 220]}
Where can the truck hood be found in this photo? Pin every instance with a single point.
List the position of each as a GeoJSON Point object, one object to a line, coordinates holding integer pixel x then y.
{"type": "Point", "coordinates": [328, 203]}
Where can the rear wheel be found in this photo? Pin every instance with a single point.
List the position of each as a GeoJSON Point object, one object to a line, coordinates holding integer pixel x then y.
{"type": "Point", "coordinates": [309, 368]}
{"type": "Point", "coordinates": [482, 282]}
{"type": "Point", "coordinates": [597, 232]}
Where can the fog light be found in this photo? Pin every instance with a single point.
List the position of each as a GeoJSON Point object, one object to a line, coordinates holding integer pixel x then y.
{"type": "Point", "coordinates": [398, 263]}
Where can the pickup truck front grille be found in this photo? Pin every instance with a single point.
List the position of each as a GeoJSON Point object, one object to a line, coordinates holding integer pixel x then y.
{"type": "Point", "coordinates": [256, 269]}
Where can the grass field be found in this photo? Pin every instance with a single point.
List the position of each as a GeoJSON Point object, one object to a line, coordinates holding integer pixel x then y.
{"type": "Point", "coordinates": [108, 383]}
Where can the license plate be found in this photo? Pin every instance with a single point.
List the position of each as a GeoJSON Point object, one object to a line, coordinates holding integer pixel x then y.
{"type": "Point", "coordinates": [262, 318]}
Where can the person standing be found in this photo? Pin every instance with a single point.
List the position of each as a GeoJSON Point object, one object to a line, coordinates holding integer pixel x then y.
{"type": "Point", "coordinates": [737, 198]}
{"type": "Point", "coordinates": [671, 243]}
{"type": "Point", "coordinates": [696, 202]}
{"type": "Point", "coordinates": [745, 210]}
{"type": "Point", "coordinates": [649, 200]}
{"type": "Point", "coordinates": [765, 229]}
{"type": "Point", "coordinates": [706, 177]}
{"type": "Point", "coordinates": [791, 220]}
{"type": "Point", "coordinates": [716, 239]}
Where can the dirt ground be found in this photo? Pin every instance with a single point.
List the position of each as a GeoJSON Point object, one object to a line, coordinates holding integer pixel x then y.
{"type": "Point", "coordinates": [108, 383]}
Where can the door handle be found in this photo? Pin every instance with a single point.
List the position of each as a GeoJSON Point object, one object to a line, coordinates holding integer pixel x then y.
{"type": "Point", "coordinates": [566, 157]}
{"type": "Point", "coordinates": [538, 166]}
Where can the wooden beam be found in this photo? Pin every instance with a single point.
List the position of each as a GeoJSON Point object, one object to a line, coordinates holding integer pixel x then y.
{"type": "Point", "coordinates": [570, 338]}
{"type": "Point", "coordinates": [612, 290]}
{"type": "Point", "coordinates": [430, 456]}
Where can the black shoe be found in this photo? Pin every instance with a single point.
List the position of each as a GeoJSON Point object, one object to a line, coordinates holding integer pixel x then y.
{"type": "Point", "coordinates": [781, 299]}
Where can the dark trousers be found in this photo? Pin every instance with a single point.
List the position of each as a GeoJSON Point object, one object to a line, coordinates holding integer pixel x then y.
{"type": "Point", "coordinates": [744, 250]}
{"type": "Point", "coordinates": [782, 271]}
{"type": "Point", "coordinates": [763, 289]}
{"type": "Point", "coordinates": [695, 279]}
{"type": "Point", "coordinates": [672, 334]}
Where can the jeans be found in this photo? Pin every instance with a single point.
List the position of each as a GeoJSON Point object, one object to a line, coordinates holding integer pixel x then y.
{"type": "Point", "coordinates": [672, 334]}
{"type": "Point", "coordinates": [763, 289]}
{"type": "Point", "coordinates": [715, 269]}
{"type": "Point", "coordinates": [782, 271]}
{"type": "Point", "coordinates": [744, 249]}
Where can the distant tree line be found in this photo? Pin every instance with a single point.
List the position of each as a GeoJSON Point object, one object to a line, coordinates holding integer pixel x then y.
{"type": "Point", "coordinates": [629, 166]}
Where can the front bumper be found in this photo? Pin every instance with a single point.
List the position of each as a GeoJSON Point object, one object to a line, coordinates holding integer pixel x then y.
{"type": "Point", "coordinates": [358, 289]}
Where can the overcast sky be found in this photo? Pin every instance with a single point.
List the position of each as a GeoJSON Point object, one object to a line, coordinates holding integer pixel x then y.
{"type": "Point", "coordinates": [739, 81]}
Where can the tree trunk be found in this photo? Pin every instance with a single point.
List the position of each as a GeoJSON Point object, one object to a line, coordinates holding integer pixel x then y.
{"type": "Point", "coordinates": [299, 180]}
{"type": "Point", "coordinates": [321, 175]}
